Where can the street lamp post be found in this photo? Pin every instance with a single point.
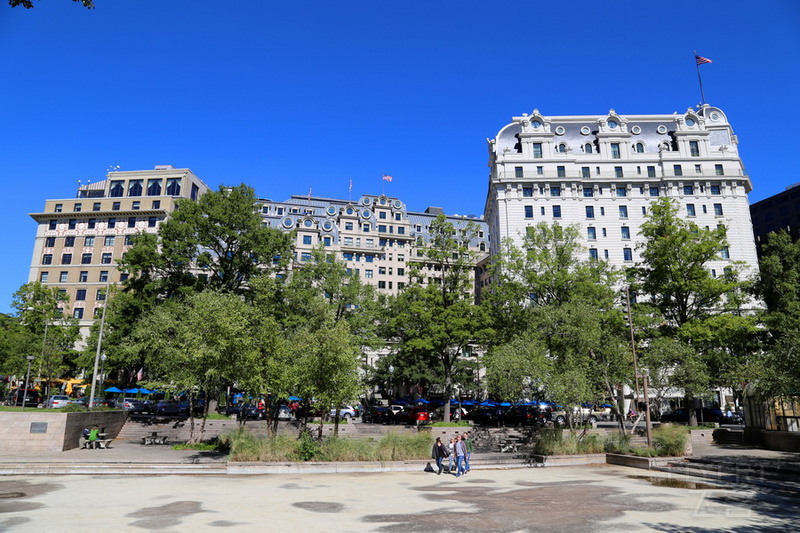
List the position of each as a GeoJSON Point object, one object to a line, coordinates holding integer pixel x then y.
{"type": "Point", "coordinates": [30, 359]}
{"type": "Point", "coordinates": [102, 371]}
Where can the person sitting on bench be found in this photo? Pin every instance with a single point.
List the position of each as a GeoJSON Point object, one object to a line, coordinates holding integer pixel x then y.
{"type": "Point", "coordinates": [93, 436]}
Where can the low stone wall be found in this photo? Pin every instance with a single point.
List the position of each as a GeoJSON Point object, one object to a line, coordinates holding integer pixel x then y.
{"type": "Point", "coordinates": [634, 461]}
{"type": "Point", "coordinates": [50, 430]}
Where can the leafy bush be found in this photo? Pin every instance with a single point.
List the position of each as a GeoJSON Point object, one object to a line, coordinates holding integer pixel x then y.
{"type": "Point", "coordinates": [200, 446]}
{"type": "Point", "coordinates": [670, 439]}
{"type": "Point", "coordinates": [644, 452]}
{"type": "Point", "coordinates": [555, 442]}
{"type": "Point", "coordinates": [461, 423]}
{"type": "Point", "coordinates": [618, 442]}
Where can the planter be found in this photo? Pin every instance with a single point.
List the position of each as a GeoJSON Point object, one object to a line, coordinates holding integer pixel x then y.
{"type": "Point", "coordinates": [569, 460]}
{"type": "Point", "coordinates": [634, 461]}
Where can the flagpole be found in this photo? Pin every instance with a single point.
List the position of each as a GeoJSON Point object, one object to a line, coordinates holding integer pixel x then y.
{"type": "Point", "coordinates": [697, 64]}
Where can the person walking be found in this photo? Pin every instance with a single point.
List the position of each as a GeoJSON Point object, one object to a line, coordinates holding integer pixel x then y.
{"type": "Point", "coordinates": [461, 453]}
{"type": "Point", "coordinates": [470, 447]}
{"type": "Point", "coordinates": [438, 453]}
{"type": "Point", "coordinates": [451, 454]}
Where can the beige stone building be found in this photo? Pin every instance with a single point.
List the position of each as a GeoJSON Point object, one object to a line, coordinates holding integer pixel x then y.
{"type": "Point", "coordinates": [79, 240]}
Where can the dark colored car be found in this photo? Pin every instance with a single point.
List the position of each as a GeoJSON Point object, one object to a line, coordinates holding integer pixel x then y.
{"type": "Point", "coordinates": [252, 411]}
{"type": "Point", "coordinates": [18, 396]}
{"type": "Point", "coordinates": [166, 408]}
{"type": "Point", "coordinates": [412, 415]}
{"type": "Point", "coordinates": [132, 405]}
{"type": "Point", "coordinates": [486, 416]}
{"type": "Point", "coordinates": [704, 415]}
{"type": "Point", "coordinates": [527, 415]}
{"type": "Point", "coordinates": [98, 402]}
{"type": "Point", "coordinates": [375, 414]}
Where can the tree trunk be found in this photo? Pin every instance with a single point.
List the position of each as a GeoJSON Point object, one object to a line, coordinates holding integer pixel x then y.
{"type": "Point", "coordinates": [690, 408]}
{"type": "Point", "coordinates": [191, 419]}
{"type": "Point", "coordinates": [205, 417]}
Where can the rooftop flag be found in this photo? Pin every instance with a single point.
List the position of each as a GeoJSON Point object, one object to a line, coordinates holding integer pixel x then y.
{"type": "Point", "coordinates": [387, 178]}
{"type": "Point", "coordinates": [701, 60]}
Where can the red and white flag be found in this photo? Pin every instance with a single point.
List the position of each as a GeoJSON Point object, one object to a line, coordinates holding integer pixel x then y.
{"type": "Point", "coordinates": [140, 374]}
{"type": "Point", "coordinates": [387, 178]}
{"type": "Point", "coordinates": [700, 59]}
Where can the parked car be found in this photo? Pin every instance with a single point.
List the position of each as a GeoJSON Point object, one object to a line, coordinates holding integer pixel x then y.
{"type": "Point", "coordinates": [485, 416]}
{"type": "Point", "coordinates": [580, 415]}
{"type": "Point", "coordinates": [132, 405]}
{"type": "Point", "coordinates": [527, 415]}
{"type": "Point", "coordinates": [284, 413]}
{"type": "Point", "coordinates": [58, 400]}
{"type": "Point", "coordinates": [346, 412]}
{"type": "Point", "coordinates": [252, 411]}
{"type": "Point", "coordinates": [412, 415]}
{"type": "Point", "coordinates": [98, 402]}
{"type": "Point", "coordinates": [166, 408]}
{"type": "Point", "coordinates": [455, 414]}
{"type": "Point", "coordinates": [704, 415]}
{"type": "Point", "coordinates": [375, 414]}
{"type": "Point", "coordinates": [29, 396]}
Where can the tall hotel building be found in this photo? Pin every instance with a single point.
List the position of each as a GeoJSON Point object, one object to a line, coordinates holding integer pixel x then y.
{"type": "Point", "coordinates": [377, 237]}
{"type": "Point", "coordinates": [601, 172]}
{"type": "Point", "coordinates": [79, 240]}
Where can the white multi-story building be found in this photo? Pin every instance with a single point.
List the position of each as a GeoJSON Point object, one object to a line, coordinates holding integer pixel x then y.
{"type": "Point", "coordinates": [377, 236]}
{"type": "Point", "coordinates": [602, 172]}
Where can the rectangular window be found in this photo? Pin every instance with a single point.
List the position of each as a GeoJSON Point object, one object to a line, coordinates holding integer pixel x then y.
{"type": "Point", "coordinates": [58, 208]}
{"type": "Point", "coordinates": [690, 210]}
{"type": "Point", "coordinates": [66, 259]}
{"type": "Point", "coordinates": [64, 277]}
{"type": "Point", "coordinates": [152, 221]}
{"type": "Point", "coordinates": [725, 253]}
{"type": "Point", "coordinates": [105, 258]}
{"type": "Point", "coordinates": [156, 204]}
{"type": "Point", "coordinates": [593, 254]}
{"type": "Point", "coordinates": [688, 190]}
{"type": "Point", "coordinates": [540, 171]}
{"type": "Point", "coordinates": [86, 259]}
{"type": "Point", "coordinates": [136, 205]}
{"type": "Point", "coordinates": [651, 172]}
{"type": "Point", "coordinates": [43, 277]}
{"type": "Point", "coordinates": [128, 240]}
{"type": "Point", "coordinates": [618, 172]}
{"type": "Point", "coordinates": [625, 233]}
{"type": "Point", "coordinates": [644, 210]}
{"type": "Point", "coordinates": [348, 226]}
{"type": "Point", "coordinates": [381, 228]}
{"type": "Point", "coordinates": [116, 206]}
{"type": "Point", "coordinates": [654, 191]}
{"type": "Point", "coordinates": [528, 211]}
{"type": "Point", "coordinates": [109, 240]}
{"type": "Point", "coordinates": [623, 211]}
{"type": "Point", "coordinates": [586, 172]}
{"type": "Point", "coordinates": [622, 192]}
{"type": "Point", "coordinates": [348, 241]}
{"type": "Point", "coordinates": [615, 151]}
{"type": "Point", "coordinates": [527, 192]}
{"type": "Point", "coordinates": [100, 294]}
{"type": "Point", "coordinates": [370, 243]}
{"type": "Point", "coordinates": [368, 273]}
{"type": "Point", "coordinates": [369, 258]}
{"type": "Point", "coordinates": [83, 277]}
{"type": "Point", "coordinates": [305, 256]}
{"type": "Point", "coordinates": [49, 242]}
{"type": "Point", "coordinates": [77, 313]}
{"type": "Point", "coordinates": [588, 192]}
{"type": "Point", "coordinates": [381, 284]}
{"type": "Point", "coordinates": [715, 191]}
{"type": "Point", "coordinates": [71, 223]}
{"type": "Point", "coordinates": [53, 224]}
{"type": "Point", "coordinates": [398, 216]}
{"type": "Point", "coordinates": [589, 211]}
{"type": "Point", "coordinates": [541, 211]}
{"type": "Point", "coordinates": [591, 234]}
{"type": "Point", "coordinates": [718, 170]}
{"type": "Point", "coordinates": [112, 223]}
{"type": "Point", "coordinates": [91, 223]}
{"type": "Point", "coordinates": [365, 227]}
{"type": "Point", "coordinates": [69, 242]}
{"type": "Point", "coordinates": [605, 254]}
{"type": "Point", "coordinates": [704, 209]}
{"type": "Point", "coordinates": [307, 239]}
{"type": "Point", "coordinates": [382, 215]}
{"type": "Point", "coordinates": [602, 211]}
{"type": "Point", "coordinates": [677, 170]}
{"type": "Point", "coordinates": [555, 190]}
{"type": "Point", "coordinates": [694, 149]}
{"type": "Point", "coordinates": [556, 211]}
{"type": "Point", "coordinates": [103, 276]}
{"type": "Point", "coordinates": [718, 210]}
{"type": "Point", "coordinates": [537, 150]}
{"type": "Point", "coordinates": [382, 271]}
{"type": "Point", "coordinates": [88, 241]}
{"type": "Point", "coordinates": [517, 172]}
{"type": "Point", "coordinates": [326, 241]}
{"type": "Point", "coordinates": [627, 254]}
{"type": "Point", "coordinates": [77, 207]}
{"type": "Point", "coordinates": [96, 206]}
{"type": "Point", "coordinates": [401, 230]}
{"type": "Point", "coordinates": [80, 294]}
{"type": "Point", "coordinates": [561, 171]}
{"type": "Point", "coordinates": [132, 222]}
{"type": "Point", "coordinates": [698, 169]}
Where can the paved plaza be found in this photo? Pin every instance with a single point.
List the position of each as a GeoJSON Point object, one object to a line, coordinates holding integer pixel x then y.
{"type": "Point", "coordinates": [596, 498]}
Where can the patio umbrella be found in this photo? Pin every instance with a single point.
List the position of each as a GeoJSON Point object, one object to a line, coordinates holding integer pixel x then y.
{"type": "Point", "coordinates": [505, 404]}
{"type": "Point", "coordinates": [145, 391]}
{"type": "Point", "coordinates": [113, 389]}
{"type": "Point", "coordinates": [295, 399]}
{"type": "Point", "coordinates": [468, 402]}
{"type": "Point", "coordinates": [131, 391]}
{"type": "Point", "coordinates": [423, 400]}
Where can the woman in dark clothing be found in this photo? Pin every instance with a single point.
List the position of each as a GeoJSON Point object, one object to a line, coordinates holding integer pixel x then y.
{"type": "Point", "coordinates": [438, 453]}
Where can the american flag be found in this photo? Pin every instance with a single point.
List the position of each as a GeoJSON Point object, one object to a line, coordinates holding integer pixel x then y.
{"type": "Point", "coordinates": [387, 178]}
{"type": "Point", "coordinates": [700, 60]}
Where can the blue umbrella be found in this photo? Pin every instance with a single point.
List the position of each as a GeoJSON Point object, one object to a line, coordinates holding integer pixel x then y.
{"type": "Point", "coordinates": [145, 391]}
{"type": "Point", "coordinates": [468, 402]}
{"type": "Point", "coordinates": [423, 400]}
{"type": "Point", "coordinates": [295, 399]}
{"type": "Point", "coordinates": [131, 391]}
{"type": "Point", "coordinates": [505, 404]}
{"type": "Point", "coordinates": [113, 389]}
{"type": "Point", "coordinates": [453, 402]}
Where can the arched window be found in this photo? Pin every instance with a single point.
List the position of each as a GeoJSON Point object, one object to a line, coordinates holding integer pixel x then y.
{"type": "Point", "coordinates": [562, 148]}
{"type": "Point", "coordinates": [587, 148]}
{"type": "Point", "coordinates": [482, 247]}
{"type": "Point", "coordinates": [639, 148]}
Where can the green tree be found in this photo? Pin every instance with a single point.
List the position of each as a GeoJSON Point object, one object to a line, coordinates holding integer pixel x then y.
{"type": "Point", "coordinates": [16, 343]}
{"type": "Point", "coordinates": [435, 320]}
{"type": "Point", "coordinates": [41, 310]}
{"type": "Point", "coordinates": [675, 277]}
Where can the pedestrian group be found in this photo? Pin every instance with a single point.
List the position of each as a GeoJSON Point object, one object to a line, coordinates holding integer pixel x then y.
{"type": "Point", "coordinates": [457, 452]}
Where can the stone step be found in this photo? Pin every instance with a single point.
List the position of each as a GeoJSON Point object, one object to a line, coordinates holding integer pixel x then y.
{"type": "Point", "coordinates": [725, 477]}
{"type": "Point", "coordinates": [112, 469]}
{"type": "Point", "coordinates": [747, 466]}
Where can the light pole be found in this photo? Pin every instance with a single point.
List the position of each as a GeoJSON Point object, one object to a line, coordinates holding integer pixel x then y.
{"type": "Point", "coordinates": [102, 371]}
{"type": "Point", "coordinates": [100, 338]}
{"type": "Point", "coordinates": [30, 359]}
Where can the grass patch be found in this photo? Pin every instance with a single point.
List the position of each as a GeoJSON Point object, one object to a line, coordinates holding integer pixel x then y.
{"type": "Point", "coordinates": [561, 442]}
{"type": "Point", "coordinates": [670, 439]}
{"type": "Point", "coordinates": [200, 446]}
{"type": "Point", "coordinates": [246, 447]}
{"type": "Point", "coordinates": [461, 423]}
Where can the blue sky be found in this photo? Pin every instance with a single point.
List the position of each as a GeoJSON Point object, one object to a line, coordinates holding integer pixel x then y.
{"type": "Point", "coordinates": [285, 96]}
